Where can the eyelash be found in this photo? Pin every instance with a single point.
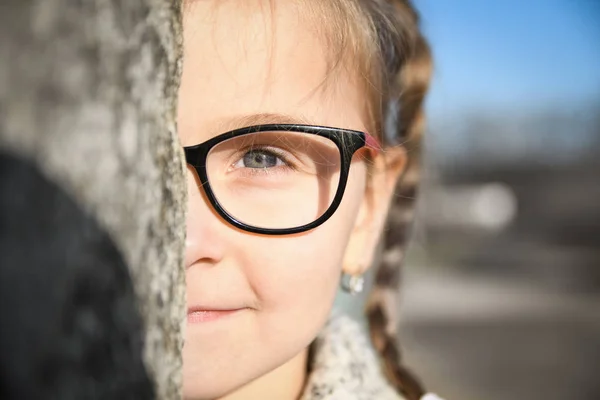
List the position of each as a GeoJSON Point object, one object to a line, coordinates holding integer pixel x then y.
{"type": "Point", "coordinates": [288, 165]}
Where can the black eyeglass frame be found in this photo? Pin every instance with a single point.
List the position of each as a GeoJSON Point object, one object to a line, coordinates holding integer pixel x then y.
{"type": "Point", "coordinates": [347, 141]}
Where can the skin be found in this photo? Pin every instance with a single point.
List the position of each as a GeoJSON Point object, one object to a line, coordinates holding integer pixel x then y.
{"type": "Point", "coordinates": [237, 73]}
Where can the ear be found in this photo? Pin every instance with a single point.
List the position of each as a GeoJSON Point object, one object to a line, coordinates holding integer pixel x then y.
{"type": "Point", "coordinates": [383, 175]}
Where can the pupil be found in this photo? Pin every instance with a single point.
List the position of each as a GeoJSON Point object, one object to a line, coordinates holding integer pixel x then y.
{"type": "Point", "coordinates": [259, 159]}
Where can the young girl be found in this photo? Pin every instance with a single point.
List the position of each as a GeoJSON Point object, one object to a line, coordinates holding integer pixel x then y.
{"type": "Point", "coordinates": [298, 118]}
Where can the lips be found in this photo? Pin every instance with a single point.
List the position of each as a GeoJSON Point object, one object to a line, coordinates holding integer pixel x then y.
{"type": "Point", "coordinates": [208, 314]}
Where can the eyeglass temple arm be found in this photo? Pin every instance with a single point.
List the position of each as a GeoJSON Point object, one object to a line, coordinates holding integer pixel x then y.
{"type": "Point", "coordinates": [371, 142]}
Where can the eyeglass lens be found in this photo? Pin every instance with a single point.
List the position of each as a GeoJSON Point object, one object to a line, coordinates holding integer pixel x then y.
{"type": "Point", "coordinates": [275, 180]}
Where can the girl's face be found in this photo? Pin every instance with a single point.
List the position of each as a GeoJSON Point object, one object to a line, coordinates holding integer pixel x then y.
{"type": "Point", "coordinates": [246, 63]}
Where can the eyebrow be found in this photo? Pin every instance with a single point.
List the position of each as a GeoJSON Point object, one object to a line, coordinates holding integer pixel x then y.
{"type": "Point", "coordinates": [264, 119]}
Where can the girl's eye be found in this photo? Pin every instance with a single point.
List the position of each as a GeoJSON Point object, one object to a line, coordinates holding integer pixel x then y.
{"type": "Point", "coordinates": [260, 158]}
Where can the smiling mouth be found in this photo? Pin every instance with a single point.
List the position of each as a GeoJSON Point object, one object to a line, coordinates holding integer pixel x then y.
{"type": "Point", "coordinates": [203, 316]}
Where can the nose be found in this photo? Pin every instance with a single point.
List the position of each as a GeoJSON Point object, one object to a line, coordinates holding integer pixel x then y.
{"type": "Point", "coordinates": [204, 241]}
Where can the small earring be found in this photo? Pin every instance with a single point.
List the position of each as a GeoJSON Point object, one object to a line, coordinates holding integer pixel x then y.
{"type": "Point", "coordinates": [352, 284]}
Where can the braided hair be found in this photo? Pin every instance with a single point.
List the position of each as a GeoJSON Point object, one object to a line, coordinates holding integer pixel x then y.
{"type": "Point", "coordinates": [405, 74]}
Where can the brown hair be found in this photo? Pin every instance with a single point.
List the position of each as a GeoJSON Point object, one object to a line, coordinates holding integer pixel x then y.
{"type": "Point", "coordinates": [405, 62]}
{"type": "Point", "coordinates": [394, 60]}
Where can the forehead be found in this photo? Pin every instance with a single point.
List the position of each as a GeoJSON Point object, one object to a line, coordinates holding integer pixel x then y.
{"type": "Point", "coordinates": [258, 57]}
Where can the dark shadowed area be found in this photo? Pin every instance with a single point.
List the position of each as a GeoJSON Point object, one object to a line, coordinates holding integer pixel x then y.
{"type": "Point", "coordinates": [71, 328]}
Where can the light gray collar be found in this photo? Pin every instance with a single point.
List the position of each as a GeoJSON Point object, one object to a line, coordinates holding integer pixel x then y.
{"type": "Point", "coordinates": [345, 366]}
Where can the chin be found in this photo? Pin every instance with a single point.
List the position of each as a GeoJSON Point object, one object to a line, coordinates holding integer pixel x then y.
{"type": "Point", "coordinates": [214, 385]}
{"type": "Point", "coordinates": [198, 388]}
{"type": "Point", "coordinates": [201, 393]}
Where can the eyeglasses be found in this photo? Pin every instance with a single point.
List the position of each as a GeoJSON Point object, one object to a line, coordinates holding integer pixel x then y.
{"type": "Point", "coordinates": [277, 179]}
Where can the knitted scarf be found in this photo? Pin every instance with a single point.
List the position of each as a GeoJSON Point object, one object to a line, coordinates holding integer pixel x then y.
{"type": "Point", "coordinates": [344, 366]}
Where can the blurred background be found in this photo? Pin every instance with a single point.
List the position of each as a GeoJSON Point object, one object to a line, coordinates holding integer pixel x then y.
{"type": "Point", "coordinates": [501, 291]}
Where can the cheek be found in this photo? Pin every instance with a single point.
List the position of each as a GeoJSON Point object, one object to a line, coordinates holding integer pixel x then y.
{"type": "Point", "coordinates": [296, 278]}
{"type": "Point", "coordinates": [302, 273]}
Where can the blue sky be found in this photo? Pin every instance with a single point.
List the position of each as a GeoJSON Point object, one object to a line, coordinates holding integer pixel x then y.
{"type": "Point", "coordinates": [509, 54]}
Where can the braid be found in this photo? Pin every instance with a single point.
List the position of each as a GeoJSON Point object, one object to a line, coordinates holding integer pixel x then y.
{"type": "Point", "coordinates": [407, 70]}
